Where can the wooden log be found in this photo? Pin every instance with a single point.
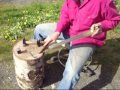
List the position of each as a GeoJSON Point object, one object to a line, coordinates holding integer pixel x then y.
{"type": "Point", "coordinates": [29, 65]}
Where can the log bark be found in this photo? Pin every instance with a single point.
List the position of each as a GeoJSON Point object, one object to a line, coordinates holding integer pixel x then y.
{"type": "Point", "coordinates": [29, 65]}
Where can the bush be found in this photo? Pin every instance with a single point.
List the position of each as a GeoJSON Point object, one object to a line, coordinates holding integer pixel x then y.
{"type": "Point", "coordinates": [18, 19]}
{"type": "Point", "coordinates": [15, 20]}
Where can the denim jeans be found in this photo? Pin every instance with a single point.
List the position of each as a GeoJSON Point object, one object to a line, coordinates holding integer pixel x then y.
{"type": "Point", "coordinates": [78, 55]}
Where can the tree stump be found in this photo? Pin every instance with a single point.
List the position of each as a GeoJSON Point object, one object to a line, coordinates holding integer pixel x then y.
{"type": "Point", "coordinates": [29, 65]}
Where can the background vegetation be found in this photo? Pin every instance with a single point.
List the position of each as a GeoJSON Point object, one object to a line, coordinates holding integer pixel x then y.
{"type": "Point", "coordinates": [17, 22]}
{"type": "Point", "coordinates": [14, 20]}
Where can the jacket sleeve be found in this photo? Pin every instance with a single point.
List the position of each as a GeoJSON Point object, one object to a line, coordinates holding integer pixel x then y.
{"type": "Point", "coordinates": [110, 15]}
{"type": "Point", "coordinates": [63, 22]}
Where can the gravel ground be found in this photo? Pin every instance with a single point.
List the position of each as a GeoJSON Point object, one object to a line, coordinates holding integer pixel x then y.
{"type": "Point", "coordinates": [107, 77]}
{"type": "Point", "coordinates": [104, 78]}
{"type": "Point", "coordinates": [7, 76]}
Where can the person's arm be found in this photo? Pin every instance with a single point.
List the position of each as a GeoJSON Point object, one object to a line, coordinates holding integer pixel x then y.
{"type": "Point", "coordinates": [63, 22]}
{"type": "Point", "coordinates": [61, 25]}
{"type": "Point", "coordinates": [111, 16]}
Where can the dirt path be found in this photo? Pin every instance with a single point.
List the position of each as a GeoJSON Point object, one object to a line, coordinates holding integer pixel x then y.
{"type": "Point", "coordinates": [7, 75]}
{"type": "Point", "coordinates": [104, 78]}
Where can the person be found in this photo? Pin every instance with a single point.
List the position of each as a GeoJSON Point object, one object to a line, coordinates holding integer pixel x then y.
{"type": "Point", "coordinates": [77, 16]}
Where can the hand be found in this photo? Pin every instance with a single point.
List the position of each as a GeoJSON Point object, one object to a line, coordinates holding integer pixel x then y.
{"type": "Point", "coordinates": [96, 29]}
{"type": "Point", "coordinates": [52, 38]}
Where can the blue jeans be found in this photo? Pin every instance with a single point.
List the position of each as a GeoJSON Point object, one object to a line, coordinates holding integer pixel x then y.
{"type": "Point", "coordinates": [78, 55]}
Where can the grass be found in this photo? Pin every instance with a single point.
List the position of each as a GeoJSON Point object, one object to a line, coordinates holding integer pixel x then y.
{"type": "Point", "coordinates": [19, 21]}
{"type": "Point", "coordinates": [5, 51]}
{"type": "Point", "coordinates": [14, 20]}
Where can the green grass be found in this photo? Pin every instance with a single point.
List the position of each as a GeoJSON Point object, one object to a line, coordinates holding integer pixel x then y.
{"type": "Point", "coordinates": [5, 50]}
{"type": "Point", "coordinates": [14, 20]}
{"type": "Point", "coordinates": [19, 21]}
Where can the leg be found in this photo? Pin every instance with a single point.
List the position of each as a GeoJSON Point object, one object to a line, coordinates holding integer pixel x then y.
{"type": "Point", "coordinates": [45, 30]}
{"type": "Point", "coordinates": [78, 55]}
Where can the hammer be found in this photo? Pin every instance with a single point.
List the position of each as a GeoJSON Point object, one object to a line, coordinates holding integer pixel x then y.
{"type": "Point", "coordinates": [45, 45]}
{"type": "Point", "coordinates": [76, 37]}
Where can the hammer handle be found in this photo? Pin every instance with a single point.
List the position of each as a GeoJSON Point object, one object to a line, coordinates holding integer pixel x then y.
{"type": "Point", "coordinates": [44, 47]}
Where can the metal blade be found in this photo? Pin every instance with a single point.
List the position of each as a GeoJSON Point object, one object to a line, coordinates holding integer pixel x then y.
{"type": "Point", "coordinates": [81, 35]}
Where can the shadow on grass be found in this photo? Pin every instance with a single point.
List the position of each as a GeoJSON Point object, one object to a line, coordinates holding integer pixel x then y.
{"type": "Point", "coordinates": [107, 57]}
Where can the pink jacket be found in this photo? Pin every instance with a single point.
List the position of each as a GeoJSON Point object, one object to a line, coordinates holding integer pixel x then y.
{"type": "Point", "coordinates": [76, 18]}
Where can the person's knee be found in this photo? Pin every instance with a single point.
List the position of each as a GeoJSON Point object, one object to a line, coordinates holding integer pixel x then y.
{"type": "Point", "coordinates": [38, 29]}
